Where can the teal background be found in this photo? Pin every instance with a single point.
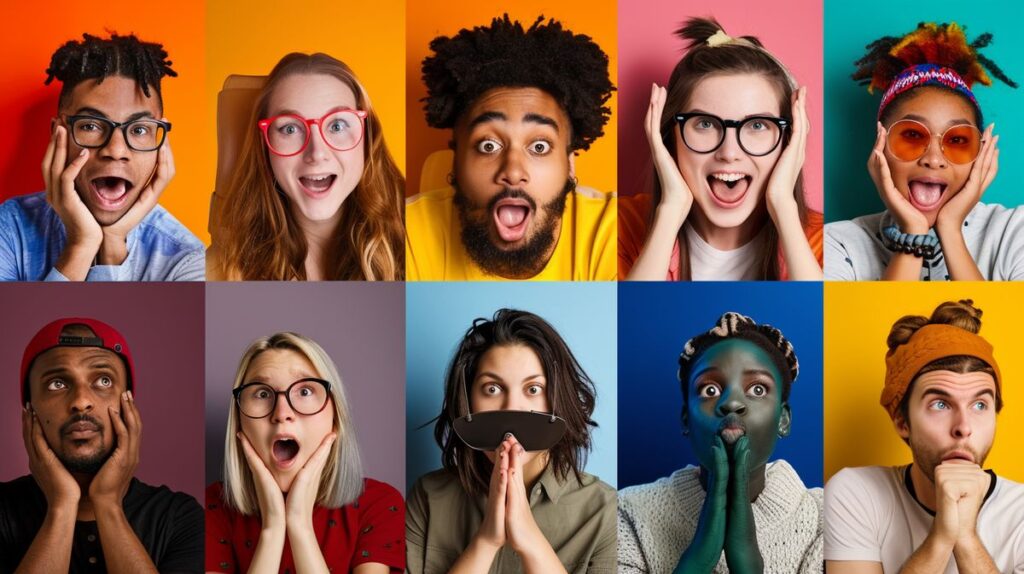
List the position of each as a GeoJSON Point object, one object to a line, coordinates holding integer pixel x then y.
{"type": "Point", "coordinates": [437, 317]}
{"type": "Point", "coordinates": [850, 111]}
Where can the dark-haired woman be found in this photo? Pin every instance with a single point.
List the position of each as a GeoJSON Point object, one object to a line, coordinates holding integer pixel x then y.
{"type": "Point", "coordinates": [736, 512]}
{"type": "Point", "coordinates": [728, 139]}
{"type": "Point", "coordinates": [931, 163]}
{"type": "Point", "coordinates": [513, 508]}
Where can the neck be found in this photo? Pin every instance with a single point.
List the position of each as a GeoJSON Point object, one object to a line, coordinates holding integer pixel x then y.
{"type": "Point", "coordinates": [86, 512]}
{"type": "Point", "coordinates": [727, 238]}
{"type": "Point", "coordinates": [924, 488]}
{"type": "Point", "coordinates": [319, 237]}
{"type": "Point", "coordinates": [533, 469]}
{"type": "Point", "coordinates": [755, 481]}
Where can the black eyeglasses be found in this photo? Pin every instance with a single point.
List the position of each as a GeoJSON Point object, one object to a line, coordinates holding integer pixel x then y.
{"type": "Point", "coordinates": [757, 135]}
{"type": "Point", "coordinates": [305, 396]}
{"type": "Point", "coordinates": [141, 135]}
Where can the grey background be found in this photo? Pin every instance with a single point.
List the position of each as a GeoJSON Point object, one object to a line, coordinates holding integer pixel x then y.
{"type": "Point", "coordinates": [362, 328]}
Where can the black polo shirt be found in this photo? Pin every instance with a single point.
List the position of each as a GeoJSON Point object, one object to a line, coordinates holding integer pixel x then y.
{"type": "Point", "coordinates": [168, 524]}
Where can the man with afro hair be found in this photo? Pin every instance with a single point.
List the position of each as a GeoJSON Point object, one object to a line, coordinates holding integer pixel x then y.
{"type": "Point", "coordinates": [521, 102]}
{"type": "Point", "coordinates": [106, 165]}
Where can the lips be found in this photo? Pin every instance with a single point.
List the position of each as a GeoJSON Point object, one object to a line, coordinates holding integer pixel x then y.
{"type": "Point", "coordinates": [728, 189]}
{"type": "Point", "coordinates": [958, 455]}
{"type": "Point", "coordinates": [926, 192]}
{"type": "Point", "coordinates": [512, 218]}
{"type": "Point", "coordinates": [110, 192]}
{"type": "Point", "coordinates": [285, 449]}
{"type": "Point", "coordinates": [317, 185]}
{"type": "Point", "coordinates": [81, 429]}
{"type": "Point", "coordinates": [732, 429]}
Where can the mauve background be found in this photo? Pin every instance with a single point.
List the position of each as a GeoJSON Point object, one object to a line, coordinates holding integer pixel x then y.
{"type": "Point", "coordinates": [649, 50]}
{"type": "Point", "coordinates": [362, 328]}
{"type": "Point", "coordinates": [163, 325]}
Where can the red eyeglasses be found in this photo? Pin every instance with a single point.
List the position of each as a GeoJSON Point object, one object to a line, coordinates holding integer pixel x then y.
{"type": "Point", "coordinates": [288, 134]}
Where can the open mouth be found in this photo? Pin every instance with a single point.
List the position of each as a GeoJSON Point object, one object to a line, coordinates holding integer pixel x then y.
{"type": "Point", "coordinates": [512, 218]}
{"type": "Point", "coordinates": [317, 185]}
{"type": "Point", "coordinates": [285, 450]}
{"type": "Point", "coordinates": [926, 193]}
{"type": "Point", "coordinates": [728, 189]}
{"type": "Point", "coordinates": [110, 191]}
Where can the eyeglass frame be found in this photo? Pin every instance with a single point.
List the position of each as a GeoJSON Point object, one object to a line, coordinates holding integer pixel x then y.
{"type": "Point", "coordinates": [237, 392]}
{"type": "Point", "coordinates": [942, 136]}
{"type": "Point", "coordinates": [71, 120]}
{"type": "Point", "coordinates": [782, 124]}
{"type": "Point", "coordinates": [264, 125]}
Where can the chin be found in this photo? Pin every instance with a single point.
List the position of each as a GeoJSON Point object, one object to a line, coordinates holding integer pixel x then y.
{"type": "Point", "coordinates": [730, 218]}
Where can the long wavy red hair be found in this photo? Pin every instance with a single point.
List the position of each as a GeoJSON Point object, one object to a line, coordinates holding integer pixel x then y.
{"type": "Point", "coordinates": [262, 240]}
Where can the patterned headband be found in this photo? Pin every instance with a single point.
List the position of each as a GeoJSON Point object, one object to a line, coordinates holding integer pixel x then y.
{"type": "Point", "coordinates": [732, 324]}
{"type": "Point", "coordinates": [925, 75]}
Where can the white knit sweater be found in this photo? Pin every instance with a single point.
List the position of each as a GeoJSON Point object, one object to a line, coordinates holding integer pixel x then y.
{"type": "Point", "coordinates": [657, 521]}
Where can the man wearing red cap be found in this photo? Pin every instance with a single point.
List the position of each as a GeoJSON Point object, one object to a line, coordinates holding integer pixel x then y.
{"type": "Point", "coordinates": [81, 509]}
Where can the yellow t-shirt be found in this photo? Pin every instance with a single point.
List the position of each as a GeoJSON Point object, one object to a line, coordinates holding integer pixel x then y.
{"type": "Point", "coordinates": [586, 249]}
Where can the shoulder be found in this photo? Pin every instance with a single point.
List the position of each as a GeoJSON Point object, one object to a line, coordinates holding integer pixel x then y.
{"type": "Point", "coordinates": [375, 490]}
{"type": "Point", "coordinates": [18, 490]}
{"type": "Point", "coordinates": [863, 227]}
{"type": "Point", "coordinates": [992, 217]}
{"type": "Point", "coordinates": [438, 483]}
{"type": "Point", "coordinates": [141, 493]}
{"type": "Point", "coordinates": [594, 486]}
{"type": "Point", "coordinates": [31, 207]}
{"type": "Point", "coordinates": [590, 200]}
{"type": "Point", "coordinates": [161, 225]}
{"type": "Point", "coordinates": [671, 491]}
{"type": "Point", "coordinates": [876, 482]}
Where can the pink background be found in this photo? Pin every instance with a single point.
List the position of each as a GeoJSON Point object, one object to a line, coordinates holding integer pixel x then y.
{"type": "Point", "coordinates": [648, 50]}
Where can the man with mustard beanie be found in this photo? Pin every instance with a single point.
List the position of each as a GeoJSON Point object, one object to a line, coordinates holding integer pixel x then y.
{"type": "Point", "coordinates": [944, 512]}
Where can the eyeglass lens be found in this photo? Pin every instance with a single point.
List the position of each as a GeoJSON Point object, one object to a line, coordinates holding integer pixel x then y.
{"type": "Point", "coordinates": [909, 140]}
{"type": "Point", "coordinates": [304, 397]}
{"type": "Point", "coordinates": [287, 135]}
{"type": "Point", "coordinates": [704, 134]}
{"type": "Point", "coordinates": [141, 135]}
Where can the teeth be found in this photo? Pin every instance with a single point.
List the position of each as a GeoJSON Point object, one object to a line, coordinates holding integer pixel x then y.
{"type": "Point", "coordinates": [317, 178]}
{"type": "Point", "coordinates": [728, 177]}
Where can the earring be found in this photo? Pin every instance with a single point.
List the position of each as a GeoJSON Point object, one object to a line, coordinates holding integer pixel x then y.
{"type": "Point", "coordinates": [450, 178]}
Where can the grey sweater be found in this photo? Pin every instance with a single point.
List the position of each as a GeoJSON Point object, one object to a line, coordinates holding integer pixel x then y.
{"type": "Point", "coordinates": [855, 250]}
{"type": "Point", "coordinates": [657, 521]}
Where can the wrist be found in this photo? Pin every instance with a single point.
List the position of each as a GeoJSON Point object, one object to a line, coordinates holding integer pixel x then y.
{"type": "Point", "coordinates": [940, 541]}
{"type": "Point", "coordinates": [671, 213]}
{"type": "Point", "coordinates": [484, 545]}
{"type": "Point", "coordinates": [947, 228]}
{"type": "Point", "coordinates": [106, 509]}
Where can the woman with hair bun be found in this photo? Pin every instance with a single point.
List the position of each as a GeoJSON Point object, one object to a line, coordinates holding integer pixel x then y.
{"type": "Point", "coordinates": [728, 138]}
{"type": "Point", "coordinates": [931, 163]}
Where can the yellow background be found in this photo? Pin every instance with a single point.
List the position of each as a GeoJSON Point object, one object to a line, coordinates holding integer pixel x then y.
{"type": "Point", "coordinates": [598, 19]}
{"type": "Point", "coordinates": [858, 316]}
{"type": "Point", "coordinates": [249, 37]}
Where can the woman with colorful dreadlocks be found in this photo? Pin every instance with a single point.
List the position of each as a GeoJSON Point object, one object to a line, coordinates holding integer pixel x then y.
{"type": "Point", "coordinates": [933, 159]}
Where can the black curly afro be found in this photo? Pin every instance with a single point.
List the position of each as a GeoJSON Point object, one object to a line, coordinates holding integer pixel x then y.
{"type": "Point", "coordinates": [96, 58]}
{"type": "Point", "coordinates": [571, 67]}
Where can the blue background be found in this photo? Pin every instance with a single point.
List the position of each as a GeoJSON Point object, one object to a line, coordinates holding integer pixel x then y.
{"type": "Point", "coordinates": [850, 110]}
{"type": "Point", "coordinates": [438, 315]}
{"type": "Point", "coordinates": [656, 319]}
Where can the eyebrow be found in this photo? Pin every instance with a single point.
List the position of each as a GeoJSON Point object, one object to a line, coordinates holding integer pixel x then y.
{"type": "Point", "coordinates": [498, 377]}
{"type": "Point", "coordinates": [131, 118]}
{"type": "Point", "coordinates": [946, 395]}
{"type": "Point", "coordinates": [748, 116]}
{"type": "Point", "coordinates": [530, 118]}
{"type": "Point", "coordinates": [291, 112]}
{"type": "Point", "coordinates": [746, 372]}
{"type": "Point", "coordinates": [950, 123]}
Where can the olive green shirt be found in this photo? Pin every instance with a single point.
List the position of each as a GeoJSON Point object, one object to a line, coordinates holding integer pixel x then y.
{"type": "Point", "coordinates": [579, 520]}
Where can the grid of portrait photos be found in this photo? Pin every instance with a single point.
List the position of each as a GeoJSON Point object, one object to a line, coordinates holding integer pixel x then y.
{"type": "Point", "coordinates": [538, 287]}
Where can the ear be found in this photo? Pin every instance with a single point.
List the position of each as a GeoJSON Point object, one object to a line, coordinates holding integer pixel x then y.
{"type": "Point", "coordinates": [902, 425]}
{"type": "Point", "coordinates": [572, 165]}
{"type": "Point", "coordinates": [785, 420]}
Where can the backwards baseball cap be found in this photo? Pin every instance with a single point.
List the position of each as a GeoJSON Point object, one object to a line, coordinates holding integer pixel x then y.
{"type": "Point", "coordinates": [50, 337]}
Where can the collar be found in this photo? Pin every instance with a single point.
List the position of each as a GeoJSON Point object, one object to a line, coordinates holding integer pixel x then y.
{"type": "Point", "coordinates": [549, 484]}
{"type": "Point", "coordinates": [909, 485]}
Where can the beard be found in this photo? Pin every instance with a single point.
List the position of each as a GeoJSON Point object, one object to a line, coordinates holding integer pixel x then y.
{"type": "Point", "coordinates": [521, 262]}
{"type": "Point", "coordinates": [927, 458]}
{"type": "Point", "coordinates": [84, 464]}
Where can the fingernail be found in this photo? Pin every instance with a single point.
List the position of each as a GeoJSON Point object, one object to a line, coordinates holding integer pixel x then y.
{"type": "Point", "coordinates": [507, 435]}
{"type": "Point", "coordinates": [82, 153]}
{"type": "Point", "coordinates": [131, 396]}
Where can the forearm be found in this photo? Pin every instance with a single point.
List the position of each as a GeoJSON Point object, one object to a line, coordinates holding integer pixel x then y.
{"type": "Point", "coordinates": [540, 558]}
{"type": "Point", "coordinates": [269, 549]}
{"type": "Point", "coordinates": [75, 261]}
{"type": "Point", "coordinates": [959, 261]}
{"type": "Point", "coordinates": [932, 556]}
{"type": "Point", "coordinates": [972, 557]}
{"type": "Point", "coordinates": [903, 267]}
{"type": "Point", "coordinates": [305, 550]}
{"type": "Point", "coordinates": [476, 559]}
{"type": "Point", "coordinates": [656, 254]}
{"type": "Point", "coordinates": [122, 550]}
{"type": "Point", "coordinates": [51, 548]}
{"type": "Point", "coordinates": [796, 251]}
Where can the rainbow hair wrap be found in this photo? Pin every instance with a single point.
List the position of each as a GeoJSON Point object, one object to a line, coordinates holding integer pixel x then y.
{"type": "Point", "coordinates": [932, 55]}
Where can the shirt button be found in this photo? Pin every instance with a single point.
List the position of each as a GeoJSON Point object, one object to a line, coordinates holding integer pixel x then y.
{"type": "Point", "coordinates": [91, 538]}
{"type": "Point", "coordinates": [92, 560]}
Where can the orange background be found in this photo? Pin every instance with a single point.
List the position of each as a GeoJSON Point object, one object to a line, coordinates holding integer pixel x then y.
{"type": "Point", "coordinates": [36, 29]}
{"type": "Point", "coordinates": [249, 37]}
{"type": "Point", "coordinates": [595, 18]}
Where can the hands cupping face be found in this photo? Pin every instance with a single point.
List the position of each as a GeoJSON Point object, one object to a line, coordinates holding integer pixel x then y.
{"type": "Point", "coordinates": [111, 483]}
{"type": "Point", "coordinates": [57, 484]}
{"type": "Point", "coordinates": [983, 172]}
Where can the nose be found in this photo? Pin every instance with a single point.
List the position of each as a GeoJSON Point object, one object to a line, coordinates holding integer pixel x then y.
{"type": "Point", "coordinates": [730, 149]}
{"type": "Point", "coordinates": [282, 410]}
{"type": "Point", "coordinates": [933, 157]}
{"type": "Point", "coordinates": [317, 149]}
{"type": "Point", "coordinates": [961, 425]}
{"type": "Point", "coordinates": [730, 403]}
{"type": "Point", "coordinates": [513, 171]}
{"type": "Point", "coordinates": [82, 398]}
{"type": "Point", "coordinates": [116, 148]}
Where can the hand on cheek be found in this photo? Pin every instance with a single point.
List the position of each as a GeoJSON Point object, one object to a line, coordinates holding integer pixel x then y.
{"type": "Point", "coordinates": [268, 493]}
{"type": "Point", "coordinates": [983, 171]}
{"type": "Point", "coordinates": [304, 489]}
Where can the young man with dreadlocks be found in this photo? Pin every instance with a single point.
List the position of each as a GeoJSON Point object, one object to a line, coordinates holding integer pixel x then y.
{"type": "Point", "coordinates": [932, 161]}
{"type": "Point", "coordinates": [944, 512]}
{"type": "Point", "coordinates": [520, 103]}
{"type": "Point", "coordinates": [107, 164]}
{"type": "Point", "coordinates": [735, 513]}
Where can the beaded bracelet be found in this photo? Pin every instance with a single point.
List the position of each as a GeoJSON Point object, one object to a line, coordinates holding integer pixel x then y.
{"type": "Point", "coordinates": [917, 245]}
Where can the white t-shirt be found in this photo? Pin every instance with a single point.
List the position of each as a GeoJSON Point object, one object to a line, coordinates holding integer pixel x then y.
{"type": "Point", "coordinates": [871, 516]}
{"type": "Point", "coordinates": [710, 264]}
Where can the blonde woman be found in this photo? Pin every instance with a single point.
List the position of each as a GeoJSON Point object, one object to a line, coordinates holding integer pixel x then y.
{"type": "Point", "coordinates": [294, 497]}
{"type": "Point", "coordinates": [316, 194]}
